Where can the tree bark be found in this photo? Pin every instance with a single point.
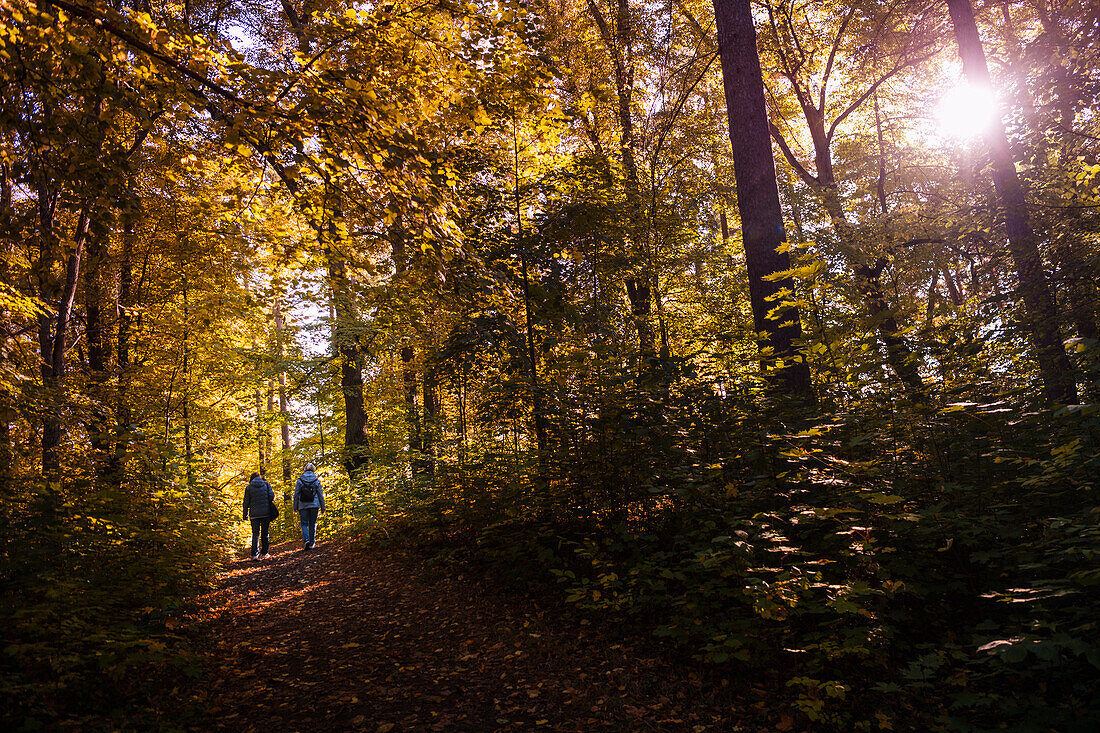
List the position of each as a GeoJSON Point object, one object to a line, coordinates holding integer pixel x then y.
{"type": "Point", "coordinates": [356, 444]}
{"type": "Point", "coordinates": [53, 331]}
{"type": "Point", "coordinates": [284, 410]}
{"type": "Point", "coordinates": [1041, 311]}
{"type": "Point", "coordinates": [619, 43]}
{"type": "Point", "coordinates": [758, 194]}
{"type": "Point", "coordinates": [355, 455]}
{"type": "Point", "coordinates": [431, 421]}
{"type": "Point", "coordinates": [125, 307]}
{"type": "Point", "coordinates": [410, 390]}
{"type": "Point", "coordinates": [7, 414]}
{"type": "Point", "coordinates": [99, 355]}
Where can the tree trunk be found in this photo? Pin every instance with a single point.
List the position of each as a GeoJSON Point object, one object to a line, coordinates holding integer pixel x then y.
{"type": "Point", "coordinates": [355, 454]}
{"type": "Point", "coordinates": [261, 457]}
{"type": "Point", "coordinates": [53, 334]}
{"type": "Point", "coordinates": [412, 409]}
{"type": "Point", "coordinates": [7, 414]}
{"type": "Point", "coordinates": [126, 302]}
{"type": "Point", "coordinates": [99, 356]}
{"type": "Point", "coordinates": [268, 447]}
{"type": "Point", "coordinates": [408, 367]}
{"type": "Point", "coordinates": [284, 410]}
{"type": "Point", "coordinates": [1041, 312]}
{"type": "Point", "coordinates": [431, 421]}
{"type": "Point", "coordinates": [619, 43]}
{"type": "Point", "coordinates": [758, 195]}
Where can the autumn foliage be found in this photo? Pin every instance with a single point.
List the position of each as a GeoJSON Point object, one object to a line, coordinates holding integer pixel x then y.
{"type": "Point", "coordinates": [798, 390]}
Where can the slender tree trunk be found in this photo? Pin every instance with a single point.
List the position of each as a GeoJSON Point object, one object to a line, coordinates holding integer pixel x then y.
{"type": "Point", "coordinates": [188, 448]}
{"type": "Point", "coordinates": [408, 368]}
{"type": "Point", "coordinates": [125, 308]}
{"type": "Point", "coordinates": [53, 341]}
{"type": "Point", "coordinates": [930, 305]}
{"type": "Point", "coordinates": [261, 457]}
{"type": "Point", "coordinates": [619, 43]}
{"type": "Point", "coordinates": [268, 447]}
{"type": "Point", "coordinates": [867, 275]}
{"type": "Point", "coordinates": [412, 409]}
{"type": "Point", "coordinates": [757, 193]}
{"type": "Point", "coordinates": [1041, 311]}
{"type": "Point", "coordinates": [99, 355]}
{"type": "Point", "coordinates": [431, 421]}
{"type": "Point", "coordinates": [284, 409]}
{"type": "Point", "coordinates": [952, 287]}
{"type": "Point", "coordinates": [7, 414]}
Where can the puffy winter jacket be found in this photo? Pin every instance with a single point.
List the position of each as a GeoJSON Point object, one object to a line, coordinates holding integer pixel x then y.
{"type": "Point", "coordinates": [309, 478]}
{"type": "Point", "coordinates": [257, 499]}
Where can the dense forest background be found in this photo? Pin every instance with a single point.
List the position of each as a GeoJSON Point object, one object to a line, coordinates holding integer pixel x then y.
{"type": "Point", "coordinates": [823, 409]}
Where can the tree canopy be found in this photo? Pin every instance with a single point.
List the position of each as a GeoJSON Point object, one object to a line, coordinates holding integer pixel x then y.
{"type": "Point", "coordinates": [765, 328]}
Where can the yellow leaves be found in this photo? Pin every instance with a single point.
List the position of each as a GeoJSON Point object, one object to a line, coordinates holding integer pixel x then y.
{"type": "Point", "coordinates": [481, 119]}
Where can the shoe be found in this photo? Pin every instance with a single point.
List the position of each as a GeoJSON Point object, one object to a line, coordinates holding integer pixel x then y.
{"type": "Point", "coordinates": [306, 547]}
{"type": "Point", "coordinates": [312, 545]}
{"type": "Point", "coordinates": [255, 558]}
{"type": "Point", "coordinates": [266, 555]}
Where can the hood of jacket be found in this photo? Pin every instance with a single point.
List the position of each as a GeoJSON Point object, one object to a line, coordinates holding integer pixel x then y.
{"type": "Point", "coordinates": [257, 482]}
{"type": "Point", "coordinates": [309, 477]}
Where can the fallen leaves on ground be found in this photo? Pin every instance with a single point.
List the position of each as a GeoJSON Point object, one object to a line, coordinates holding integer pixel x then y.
{"type": "Point", "coordinates": [342, 638]}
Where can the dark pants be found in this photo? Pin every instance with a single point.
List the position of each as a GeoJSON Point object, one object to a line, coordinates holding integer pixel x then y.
{"type": "Point", "coordinates": [309, 525]}
{"type": "Point", "coordinates": [260, 531]}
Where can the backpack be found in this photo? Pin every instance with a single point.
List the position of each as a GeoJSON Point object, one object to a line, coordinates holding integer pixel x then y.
{"type": "Point", "coordinates": [306, 494]}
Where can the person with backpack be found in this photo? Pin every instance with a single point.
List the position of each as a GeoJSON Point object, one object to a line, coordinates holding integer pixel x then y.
{"type": "Point", "coordinates": [258, 498]}
{"type": "Point", "coordinates": [309, 500]}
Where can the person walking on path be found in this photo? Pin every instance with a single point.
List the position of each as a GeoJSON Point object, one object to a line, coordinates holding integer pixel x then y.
{"type": "Point", "coordinates": [309, 500]}
{"type": "Point", "coordinates": [257, 507]}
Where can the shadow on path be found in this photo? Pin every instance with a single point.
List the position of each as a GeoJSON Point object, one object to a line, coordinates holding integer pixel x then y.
{"type": "Point", "coordinates": [338, 638]}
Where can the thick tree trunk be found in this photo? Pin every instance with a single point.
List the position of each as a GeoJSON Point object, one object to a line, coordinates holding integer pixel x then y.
{"type": "Point", "coordinates": [355, 455]}
{"type": "Point", "coordinates": [757, 193]}
{"type": "Point", "coordinates": [1041, 311]}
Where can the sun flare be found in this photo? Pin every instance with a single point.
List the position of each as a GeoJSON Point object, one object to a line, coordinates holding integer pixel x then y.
{"type": "Point", "coordinates": [966, 111]}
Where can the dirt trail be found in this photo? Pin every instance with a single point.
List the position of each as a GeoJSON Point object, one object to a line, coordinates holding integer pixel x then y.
{"type": "Point", "coordinates": [344, 639]}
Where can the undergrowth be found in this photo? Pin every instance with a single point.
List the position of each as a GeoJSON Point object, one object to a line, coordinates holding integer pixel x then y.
{"type": "Point", "coordinates": [907, 566]}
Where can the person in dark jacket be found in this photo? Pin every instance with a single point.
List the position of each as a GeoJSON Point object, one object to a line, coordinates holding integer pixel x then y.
{"type": "Point", "coordinates": [257, 506]}
{"type": "Point", "coordinates": [308, 501]}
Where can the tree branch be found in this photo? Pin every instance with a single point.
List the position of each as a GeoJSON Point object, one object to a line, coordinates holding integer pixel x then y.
{"type": "Point", "coordinates": [805, 175]}
{"type": "Point", "coordinates": [134, 42]}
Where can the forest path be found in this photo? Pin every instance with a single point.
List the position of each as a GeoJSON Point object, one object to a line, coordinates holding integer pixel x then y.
{"type": "Point", "coordinates": [342, 638]}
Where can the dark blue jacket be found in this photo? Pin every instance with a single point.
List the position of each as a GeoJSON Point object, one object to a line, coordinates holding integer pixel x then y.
{"type": "Point", "coordinates": [257, 499]}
